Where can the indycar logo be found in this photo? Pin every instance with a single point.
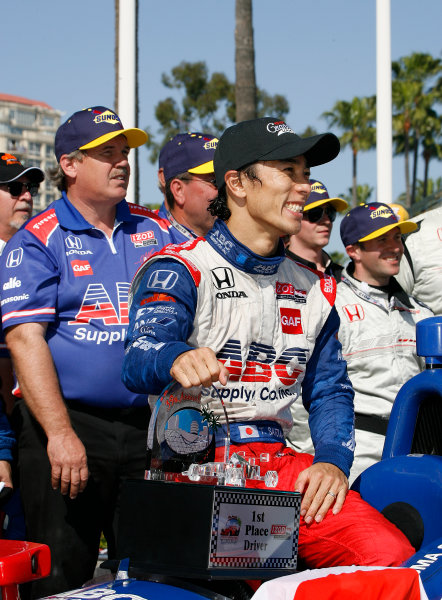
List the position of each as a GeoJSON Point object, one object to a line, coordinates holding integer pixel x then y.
{"type": "Point", "coordinates": [353, 312]}
{"type": "Point", "coordinates": [81, 267]}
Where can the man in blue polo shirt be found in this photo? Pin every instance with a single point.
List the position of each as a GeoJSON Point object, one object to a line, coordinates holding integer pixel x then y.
{"type": "Point", "coordinates": [187, 179]}
{"type": "Point", "coordinates": [81, 430]}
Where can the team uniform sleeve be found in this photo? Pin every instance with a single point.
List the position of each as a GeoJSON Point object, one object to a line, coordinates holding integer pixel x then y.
{"type": "Point", "coordinates": [327, 395]}
{"type": "Point", "coordinates": [29, 281]}
{"type": "Point", "coordinates": [7, 439]}
{"type": "Point", "coordinates": [405, 277]}
{"type": "Point", "coordinates": [160, 321]}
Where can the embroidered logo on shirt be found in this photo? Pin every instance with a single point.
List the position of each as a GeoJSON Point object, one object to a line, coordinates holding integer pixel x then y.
{"type": "Point", "coordinates": [354, 312]}
{"type": "Point", "coordinates": [291, 320]}
{"type": "Point", "coordinates": [81, 267]}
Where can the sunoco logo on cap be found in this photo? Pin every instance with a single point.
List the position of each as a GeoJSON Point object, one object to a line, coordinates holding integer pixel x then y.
{"type": "Point", "coordinates": [107, 116]}
{"type": "Point", "coordinates": [382, 212]}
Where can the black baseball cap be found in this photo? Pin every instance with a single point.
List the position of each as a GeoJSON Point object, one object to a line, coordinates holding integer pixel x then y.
{"type": "Point", "coordinates": [12, 169]}
{"type": "Point", "coordinates": [269, 138]}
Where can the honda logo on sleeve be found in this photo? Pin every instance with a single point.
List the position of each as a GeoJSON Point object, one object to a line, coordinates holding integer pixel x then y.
{"type": "Point", "coordinates": [164, 280]}
{"type": "Point", "coordinates": [14, 258]}
{"type": "Point", "coordinates": [222, 278]}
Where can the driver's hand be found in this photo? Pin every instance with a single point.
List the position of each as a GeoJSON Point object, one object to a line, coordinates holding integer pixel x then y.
{"type": "Point", "coordinates": [199, 367]}
{"type": "Point", "coordinates": [322, 486]}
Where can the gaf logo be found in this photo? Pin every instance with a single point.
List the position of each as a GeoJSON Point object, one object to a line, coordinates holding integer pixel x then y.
{"type": "Point", "coordinates": [81, 267]}
{"type": "Point", "coordinates": [354, 312]}
{"type": "Point", "coordinates": [291, 320]}
{"type": "Point", "coordinates": [222, 278]}
{"type": "Point", "coordinates": [12, 283]}
{"type": "Point", "coordinates": [72, 242]}
{"type": "Point", "coordinates": [164, 280]}
{"type": "Point", "coordinates": [14, 258]}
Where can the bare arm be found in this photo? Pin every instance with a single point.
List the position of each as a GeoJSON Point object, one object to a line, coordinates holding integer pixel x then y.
{"type": "Point", "coordinates": [38, 381]}
{"type": "Point", "coordinates": [5, 473]}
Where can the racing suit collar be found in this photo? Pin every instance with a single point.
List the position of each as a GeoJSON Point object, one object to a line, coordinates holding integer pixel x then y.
{"type": "Point", "coordinates": [70, 218]}
{"type": "Point", "coordinates": [241, 257]}
{"type": "Point", "coordinates": [392, 290]}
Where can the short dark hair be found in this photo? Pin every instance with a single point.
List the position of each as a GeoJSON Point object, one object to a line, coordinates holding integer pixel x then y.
{"type": "Point", "coordinates": [218, 206]}
{"type": "Point", "coordinates": [168, 192]}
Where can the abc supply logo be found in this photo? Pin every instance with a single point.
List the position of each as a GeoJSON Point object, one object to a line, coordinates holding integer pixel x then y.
{"type": "Point", "coordinates": [81, 267]}
{"type": "Point", "coordinates": [291, 320]}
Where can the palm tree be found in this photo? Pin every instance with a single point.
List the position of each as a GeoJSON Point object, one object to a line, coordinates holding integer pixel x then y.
{"type": "Point", "coordinates": [357, 120]}
{"type": "Point", "coordinates": [245, 86]}
{"type": "Point", "coordinates": [414, 104]}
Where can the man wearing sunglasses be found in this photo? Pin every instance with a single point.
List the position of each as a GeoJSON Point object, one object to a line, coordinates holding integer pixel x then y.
{"type": "Point", "coordinates": [187, 179]}
{"type": "Point", "coordinates": [18, 186]}
{"type": "Point", "coordinates": [307, 246]}
{"type": "Point", "coordinates": [67, 273]}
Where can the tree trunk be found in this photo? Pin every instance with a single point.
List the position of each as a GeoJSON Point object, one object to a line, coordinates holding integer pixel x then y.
{"type": "Point", "coordinates": [407, 171]}
{"type": "Point", "coordinates": [117, 49]}
{"type": "Point", "coordinates": [245, 86]}
{"type": "Point", "coordinates": [427, 167]}
{"type": "Point", "coordinates": [355, 184]}
{"type": "Point", "coordinates": [415, 159]}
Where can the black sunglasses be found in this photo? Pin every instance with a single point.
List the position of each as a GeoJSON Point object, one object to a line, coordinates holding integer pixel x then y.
{"type": "Point", "coordinates": [15, 188]}
{"type": "Point", "coordinates": [315, 214]}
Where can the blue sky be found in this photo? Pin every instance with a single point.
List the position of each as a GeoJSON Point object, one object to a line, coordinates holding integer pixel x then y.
{"type": "Point", "coordinates": [314, 52]}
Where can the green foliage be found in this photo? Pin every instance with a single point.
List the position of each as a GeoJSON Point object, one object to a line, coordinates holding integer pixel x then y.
{"type": "Point", "coordinates": [363, 194]}
{"type": "Point", "coordinates": [339, 257]}
{"type": "Point", "coordinates": [201, 102]}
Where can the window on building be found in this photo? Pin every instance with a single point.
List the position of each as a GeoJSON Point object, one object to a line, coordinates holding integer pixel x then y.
{"type": "Point", "coordinates": [49, 151]}
{"type": "Point", "coordinates": [22, 117]}
{"type": "Point", "coordinates": [34, 148]}
{"type": "Point", "coordinates": [48, 121]}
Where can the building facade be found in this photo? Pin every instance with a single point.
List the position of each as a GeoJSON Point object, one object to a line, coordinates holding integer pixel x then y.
{"type": "Point", "coordinates": [27, 130]}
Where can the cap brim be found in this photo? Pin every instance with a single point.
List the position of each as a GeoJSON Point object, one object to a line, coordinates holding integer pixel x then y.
{"type": "Point", "coordinates": [404, 227]}
{"type": "Point", "coordinates": [203, 169]}
{"type": "Point", "coordinates": [135, 137]}
{"type": "Point", "coordinates": [337, 203]}
{"type": "Point", "coordinates": [318, 149]}
{"type": "Point", "coordinates": [34, 174]}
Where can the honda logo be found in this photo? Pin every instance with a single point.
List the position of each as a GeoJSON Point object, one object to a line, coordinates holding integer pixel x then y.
{"type": "Point", "coordinates": [222, 278]}
{"type": "Point", "coordinates": [354, 312]}
{"type": "Point", "coordinates": [164, 280]}
{"type": "Point", "coordinates": [14, 258]}
{"type": "Point", "coordinates": [72, 242]}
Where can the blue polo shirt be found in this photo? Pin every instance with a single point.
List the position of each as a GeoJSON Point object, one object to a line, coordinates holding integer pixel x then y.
{"type": "Point", "coordinates": [59, 269]}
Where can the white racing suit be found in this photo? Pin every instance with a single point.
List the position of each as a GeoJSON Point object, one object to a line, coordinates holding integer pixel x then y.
{"type": "Point", "coordinates": [421, 267]}
{"type": "Point", "coordinates": [273, 324]}
{"type": "Point", "coordinates": [378, 337]}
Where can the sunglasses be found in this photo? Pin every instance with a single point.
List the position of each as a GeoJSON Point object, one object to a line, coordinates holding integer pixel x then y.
{"type": "Point", "coordinates": [315, 214]}
{"type": "Point", "coordinates": [15, 188]}
{"type": "Point", "coordinates": [209, 181]}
